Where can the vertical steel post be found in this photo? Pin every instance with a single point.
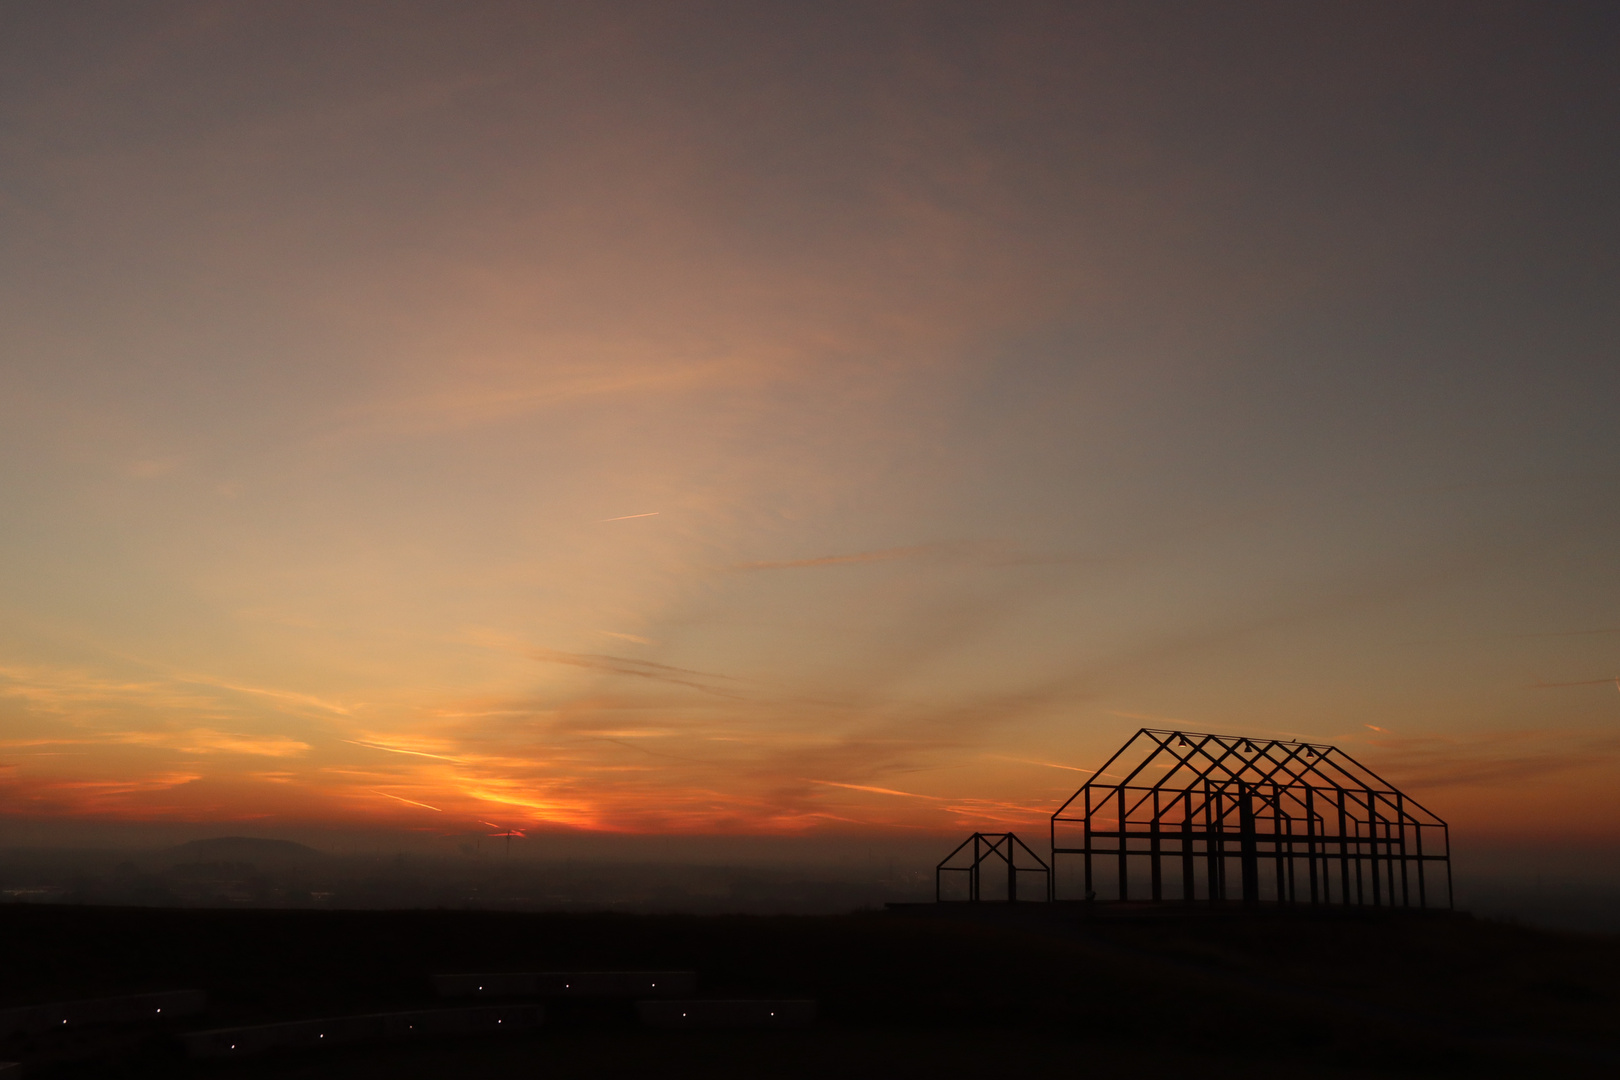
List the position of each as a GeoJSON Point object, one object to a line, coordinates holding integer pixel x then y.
{"type": "Point", "coordinates": [1451, 898]}
{"type": "Point", "coordinates": [1310, 837]}
{"type": "Point", "coordinates": [1247, 848]}
{"type": "Point", "coordinates": [1400, 816]}
{"type": "Point", "coordinates": [1124, 886]}
{"type": "Point", "coordinates": [973, 873]}
{"type": "Point", "coordinates": [1051, 854]}
{"type": "Point", "coordinates": [1373, 822]}
{"type": "Point", "coordinates": [1344, 856]}
{"type": "Point", "coordinates": [1090, 892]}
{"type": "Point", "coordinates": [1153, 850]}
{"type": "Point", "coordinates": [1188, 886]}
{"type": "Point", "coordinates": [1012, 873]}
{"type": "Point", "coordinates": [1277, 843]}
{"type": "Point", "coordinates": [1288, 820]}
{"type": "Point", "coordinates": [1423, 892]}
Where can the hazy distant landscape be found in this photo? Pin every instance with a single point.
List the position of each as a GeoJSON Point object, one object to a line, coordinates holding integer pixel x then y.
{"type": "Point", "coordinates": [260, 873]}
{"type": "Point", "coordinates": [240, 872]}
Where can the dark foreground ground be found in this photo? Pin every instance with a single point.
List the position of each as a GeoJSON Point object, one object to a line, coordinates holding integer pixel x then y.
{"type": "Point", "coordinates": [902, 994]}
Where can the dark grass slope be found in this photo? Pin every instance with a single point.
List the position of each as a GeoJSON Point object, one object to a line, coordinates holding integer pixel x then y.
{"type": "Point", "coordinates": [1271, 994]}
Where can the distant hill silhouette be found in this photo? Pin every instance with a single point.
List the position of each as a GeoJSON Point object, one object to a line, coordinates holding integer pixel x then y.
{"type": "Point", "coordinates": [240, 849]}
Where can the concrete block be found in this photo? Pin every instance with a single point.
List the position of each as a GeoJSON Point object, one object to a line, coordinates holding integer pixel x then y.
{"type": "Point", "coordinates": [737, 1013]}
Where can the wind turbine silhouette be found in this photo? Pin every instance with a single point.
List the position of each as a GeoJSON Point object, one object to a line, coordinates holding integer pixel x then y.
{"type": "Point", "coordinates": [509, 833]}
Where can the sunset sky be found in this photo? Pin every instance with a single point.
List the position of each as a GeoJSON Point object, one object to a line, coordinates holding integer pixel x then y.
{"type": "Point", "coordinates": [800, 418]}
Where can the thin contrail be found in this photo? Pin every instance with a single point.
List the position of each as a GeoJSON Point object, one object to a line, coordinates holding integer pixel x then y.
{"type": "Point", "coordinates": [1048, 764]}
{"type": "Point", "coordinates": [878, 790]}
{"type": "Point", "coordinates": [398, 750]}
{"type": "Point", "coordinates": [413, 802]}
{"type": "Point", "coordinates": [627, 517]}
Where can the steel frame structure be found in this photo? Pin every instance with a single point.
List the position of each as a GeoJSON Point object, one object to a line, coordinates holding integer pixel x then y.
{"type": "Point", "coordinates": [986, 846]}
{"type": "Point", "coordinates": [1331, 828]}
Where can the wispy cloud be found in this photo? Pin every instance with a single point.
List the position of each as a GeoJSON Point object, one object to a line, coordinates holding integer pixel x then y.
{"type": "Point", "coordinates": [1493, 759]}
{"type": "Point", "coordinates": [206, 741]}
{"type": "Point", "coordinates": [59, 688]}
{"type": "Point", "coordinates": [459, 406]}
{"type": "Point", "coordinates": [159, 782]}
{"type": "Point", "coordinates": [639, 669]}
{"type": "Point", "coordinates": [914, 551]}
{"type": "Point", "coordinates": [1153, 717]}
{"type": "Point", "coordinates": [290, 697]}
{"type": "Point", "coordinates": [633, 638]}
{"type": "Point", "coordinates": [524, 796]}
{"type": "Point", "coordinates": [989, 553]}
{"type": "Point", "coordinates": [189, 741]}
{"type": "Point", "coordinates": [94, 796]}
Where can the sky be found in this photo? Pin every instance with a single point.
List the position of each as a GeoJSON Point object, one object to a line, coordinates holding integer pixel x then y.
{"type": "Point", "coordinates": [800, 420]}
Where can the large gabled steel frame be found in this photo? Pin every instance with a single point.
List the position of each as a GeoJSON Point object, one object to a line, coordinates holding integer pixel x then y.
{"type": "Point", "coordinates": [1322, 819]}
